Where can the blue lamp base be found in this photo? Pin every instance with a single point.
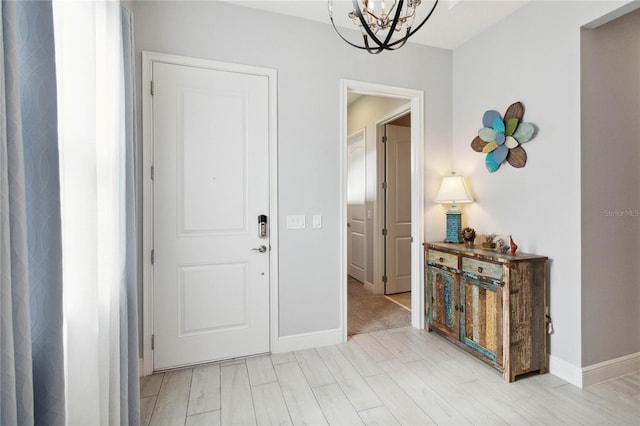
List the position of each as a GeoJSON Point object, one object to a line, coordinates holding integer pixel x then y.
{"type": "Point", "coordinates": [454, 227]}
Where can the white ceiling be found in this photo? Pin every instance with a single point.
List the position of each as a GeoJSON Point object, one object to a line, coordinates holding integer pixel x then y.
{"type": "Point", "coordinates": [453, 23]}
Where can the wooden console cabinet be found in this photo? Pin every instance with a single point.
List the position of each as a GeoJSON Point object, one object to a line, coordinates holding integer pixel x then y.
{"type": "Point", "coordinates": [491, 305]}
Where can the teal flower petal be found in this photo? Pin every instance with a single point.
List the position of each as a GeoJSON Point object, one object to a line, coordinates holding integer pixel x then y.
{"type": "Point", "coordinates": [500, 153]}
{"type": "Point", "coordinates": [524, 132]}
{"type": "Point", "coordinates": [487, 134]}
{"type": "Point", "coordinates": [498, 125]}
{"type": "Point", "coordinates": [491, 164]}
{"type": "Point", "coordinates": [489, 117]}
{"type": "Point", "coordinates": [500, 138]}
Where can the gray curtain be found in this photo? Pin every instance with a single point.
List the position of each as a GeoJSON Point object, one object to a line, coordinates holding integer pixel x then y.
{"type": "Point", "coordinates": [129, 391]}
{"type": "Point", "coordinates": [31, 316]}
{"type": "Point", "coordinates": [31, 363]}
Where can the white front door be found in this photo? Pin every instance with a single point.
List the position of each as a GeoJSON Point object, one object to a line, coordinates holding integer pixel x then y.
{"type": "Point", "coordinates": [398, 209]}
{"type": "Point", "coordinates": [356, 225]}
{"type": "Point", "coordinates": [211, 182]}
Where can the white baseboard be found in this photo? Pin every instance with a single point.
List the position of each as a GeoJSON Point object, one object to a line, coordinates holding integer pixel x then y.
{"type": "Point", "coordinates": [610, 369]}
{"type": "Point", "coordinates": [315, 339]}
{"type": "Point", "coordinates": [565, 371]}
{"type": "Point", "coordinates": [370, 286]}
{"type": "Point", "coordinates": [596, 373]}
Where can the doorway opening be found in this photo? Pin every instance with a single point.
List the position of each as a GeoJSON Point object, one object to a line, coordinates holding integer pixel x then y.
{"type": "Point", "coordinates": [382, 216]}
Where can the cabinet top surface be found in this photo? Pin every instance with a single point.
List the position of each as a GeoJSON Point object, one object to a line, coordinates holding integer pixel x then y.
{"type": "Point", "coordinates": [481, 253]}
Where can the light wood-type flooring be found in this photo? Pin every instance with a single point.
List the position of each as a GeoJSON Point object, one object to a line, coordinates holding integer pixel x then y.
{"type": "Point", "coordinates": [399, 376]}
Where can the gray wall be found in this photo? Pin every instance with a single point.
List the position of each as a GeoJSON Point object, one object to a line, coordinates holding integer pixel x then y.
{"type": "Point", "coordinates": [610, 175]}
{"type": "Point", "coordinates": [310, 60]}
{"type": "Point", "coordinates": [533, 56]}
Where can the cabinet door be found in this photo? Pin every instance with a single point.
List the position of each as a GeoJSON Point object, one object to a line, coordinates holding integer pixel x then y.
{"type": "Point", "coordinates": [482, 318]}
{"type": "Point", "coordinates": [443, 298]}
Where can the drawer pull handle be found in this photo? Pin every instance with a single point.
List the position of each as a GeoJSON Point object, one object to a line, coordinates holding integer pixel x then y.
{"type": "Point", "coordinates": [480, 269]}
{"type": "Point", "coordinates": [455, 307]}
{"type": "Point", "coordinates": [441, 259]}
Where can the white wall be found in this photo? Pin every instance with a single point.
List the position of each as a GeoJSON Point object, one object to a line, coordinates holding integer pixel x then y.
{"type": "Point", "coordinates": [533, 56]}
{"type": "Point", "coordinates": [310, 60]}
{"type": "Point", "coordinates": [364, 113]}
{"type": "Point", "coordinates": [611, 190]}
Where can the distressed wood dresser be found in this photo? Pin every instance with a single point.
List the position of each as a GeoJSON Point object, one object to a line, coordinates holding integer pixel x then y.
{"type": "Point", "coordinates": [491, 305]}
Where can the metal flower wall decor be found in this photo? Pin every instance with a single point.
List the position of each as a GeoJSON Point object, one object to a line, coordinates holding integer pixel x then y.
{"type": "Point", "coordinates": [500, 138]}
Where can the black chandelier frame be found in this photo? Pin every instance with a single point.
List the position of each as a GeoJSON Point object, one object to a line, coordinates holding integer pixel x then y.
{"type": "Point", "coordinates": [386, 44]}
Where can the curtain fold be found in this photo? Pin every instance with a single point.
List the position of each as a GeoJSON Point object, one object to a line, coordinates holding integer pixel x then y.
{"type": "Point", "coordinates": [129, 388]}
{"type": "Point", "coordinates": [97, 156]}
{"type": "Point", "coordinates": [40, 135]}
{"type": "Point", "coordinates": [31, 300]}
{"type": "Point", "coordinates": [16, 383]}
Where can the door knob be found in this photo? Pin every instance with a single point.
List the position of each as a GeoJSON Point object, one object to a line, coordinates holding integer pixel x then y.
{"type": "Point", "coordinates": [261, 249]}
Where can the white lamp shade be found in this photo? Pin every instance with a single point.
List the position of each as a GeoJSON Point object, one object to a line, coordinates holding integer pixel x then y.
{"type": "Point", "coordinates": [453, 190]}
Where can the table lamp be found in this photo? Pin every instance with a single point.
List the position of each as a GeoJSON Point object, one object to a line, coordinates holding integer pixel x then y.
{"type": "Point", "coordinates": [453, 190]}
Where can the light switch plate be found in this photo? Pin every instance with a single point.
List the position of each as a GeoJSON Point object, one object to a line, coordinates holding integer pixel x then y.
{"type": "Point", "coordinates": [317, 221]}
{"type": "Point", "coordinates": [296, 222]}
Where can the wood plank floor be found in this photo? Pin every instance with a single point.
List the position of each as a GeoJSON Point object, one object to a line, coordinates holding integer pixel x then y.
{"type": "Point", "coordinates": [398, 376]}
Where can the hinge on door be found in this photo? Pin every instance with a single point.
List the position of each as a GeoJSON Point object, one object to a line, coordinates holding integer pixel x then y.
{"type": "Point", "coordinates": [152, 256]}
{"type": "Point", "coordinates": [152, 171]}
{"type": "Point", "coordinates": [151, 87]}
{"type": "Point", "coordinates": [384, 139]}
{"type": "Point", "coordinates": [153, 341]}
{"type": "Point", "coordinates": [384, 231]}
{"type": "Point", "coordinates": [411, 239]}
{"type": "Point", "coordinates": [384, 279]}
{"type": "Point", "coordinates": [384, 185]}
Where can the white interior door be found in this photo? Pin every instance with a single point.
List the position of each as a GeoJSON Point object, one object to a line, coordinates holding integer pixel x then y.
{"type": "Point", "coordinates": [356, 225]}
{"type": "Point", "coordinates": [211, 181]}
{"type": "Point", "coordinates": [398, 209]}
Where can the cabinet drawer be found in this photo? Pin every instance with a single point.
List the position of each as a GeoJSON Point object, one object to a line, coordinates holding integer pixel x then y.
{"type": "Point", "coordinates": [445, 259]}
{"type": "Point", "coordinates": [479, 267]}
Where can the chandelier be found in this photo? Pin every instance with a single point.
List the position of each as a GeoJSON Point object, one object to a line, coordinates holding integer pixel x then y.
{"type": "Point", "coordinates": [380, 20]}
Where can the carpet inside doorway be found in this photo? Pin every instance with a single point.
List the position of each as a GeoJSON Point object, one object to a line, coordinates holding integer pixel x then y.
{"type": "Point", "coordinates": [368, 312]}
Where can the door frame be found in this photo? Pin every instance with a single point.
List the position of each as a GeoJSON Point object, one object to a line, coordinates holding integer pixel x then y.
{"type": "Point", "coordinates": [416, 100]}
{"type": "Point", "coordinates": [148, 59]}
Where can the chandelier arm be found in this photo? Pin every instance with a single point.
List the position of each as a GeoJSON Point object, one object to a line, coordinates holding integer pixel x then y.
{"type": "Point", "coordinates": [365, 25]}
{"type": "Point", "coordinates": [394, 24]}
{"type": "Point", "coordinates": [412, 32]}
{"type": "Point", "coordinates": [371, 50]}
{"type": "Point", "coordinates": [402, 41]}
{"type": "Point", "coordinates": [395, 3]}
{"type": "Point", "coordinates": [342, 37]}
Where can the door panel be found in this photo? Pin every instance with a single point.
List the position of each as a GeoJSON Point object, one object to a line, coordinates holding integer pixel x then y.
{"type": "Point", "coordinates": [482, 329]}
{"type": "Point", "coordinates": [211, 181]}
{"type": "Point", "coordinates": [398, 209]}
{"type": "Point", "coordinates": [200, 287]}
{"type": "Point", "coordinates": [205, 148]}
{"type": "Point", "coordinates": [356, 210]}
{"type": "Point", "coordinates": [443, 288]}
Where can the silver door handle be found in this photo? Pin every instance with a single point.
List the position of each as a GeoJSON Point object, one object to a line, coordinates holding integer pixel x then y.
{"type": "Point", "coordinates": [261, 249]}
